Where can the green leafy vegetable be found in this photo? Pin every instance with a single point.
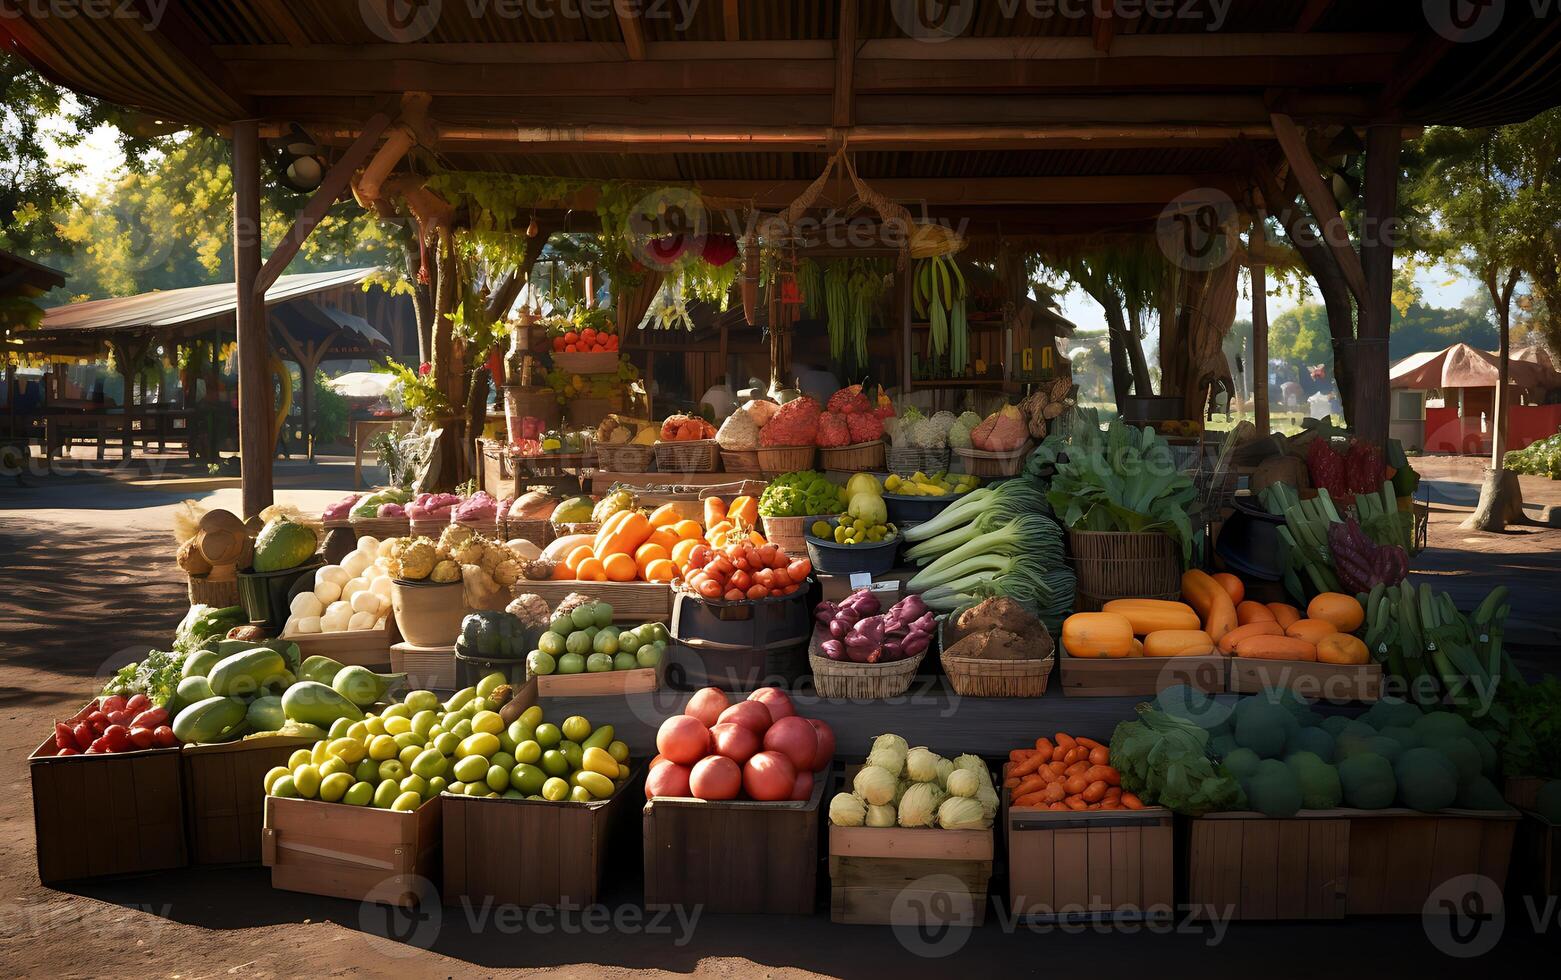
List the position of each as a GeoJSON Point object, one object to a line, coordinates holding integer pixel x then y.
{"type": "Point", "coordinates": [156, 676]}
{"type": "Point", "coordinates": [204, 623]}
{"type": "Point", "coordinates": [805, 493]}
{"type": "Point", "coordinates": [1533, 743]}
{"type": "Point", "coordinates": [1166, 760]}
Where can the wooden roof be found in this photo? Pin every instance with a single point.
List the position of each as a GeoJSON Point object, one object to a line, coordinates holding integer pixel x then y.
{"type": "Point", "coordinates": [1100, 119]}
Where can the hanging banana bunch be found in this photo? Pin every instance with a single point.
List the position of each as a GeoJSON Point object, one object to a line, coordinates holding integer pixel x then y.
{"type": "Point", "coordinates": [938, 296]}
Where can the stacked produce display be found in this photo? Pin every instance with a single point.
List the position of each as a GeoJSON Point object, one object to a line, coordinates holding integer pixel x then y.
{"type": "Point", "coordinates": [756, 749]}
{"type": "Point", "coordinates": [579, 637]}
{"type": "Point", "coordinates": [915, 787]}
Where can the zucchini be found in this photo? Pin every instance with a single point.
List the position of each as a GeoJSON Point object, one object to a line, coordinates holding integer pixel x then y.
{"type": "Point", "coordinates": [210, 720]}
{"type": "Point", "coordinates": [244, 674]}
{"type": "Point", "coordinates": [317, 704]}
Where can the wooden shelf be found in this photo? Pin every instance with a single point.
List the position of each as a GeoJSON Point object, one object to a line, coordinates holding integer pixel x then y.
{"type": "Point", "coordinates": [961, 383]}
{"type": "Point", "coordinates": [969, 325]}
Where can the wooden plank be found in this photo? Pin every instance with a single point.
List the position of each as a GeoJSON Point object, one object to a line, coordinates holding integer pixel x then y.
{"type": "Point", "coordinates": [1293, 869]}
{"type": "Point", "coordinates": [1313, 681]}
{"type": "Point", "coordinates": [731, 25]}
{"type": "Point", "coordinates": [1134, 676]}
{"type": "Point", "coordinates": [605, 683]}
{"type": "Point", "coordinates": [899, 842]}
{"type": "Point", "coordinates": [1312, 14]}
{"type": "Point", "coordinates": [1124, 887]}
{"type": "Point", "coordinates": [1320, 198]}
{"type": "Point", "coordinates": [1260, 864]}
{"type": "Point", "coordinates": [628, 12]}
{"type": "Point", "coordinates": [1070, 871]}
{"type": "Point", "coordinates": [1157, 860]}
{"type": "Point", "coordinates": [845, 62]}
{"type": "Point", "coordinates": [254, 341]}
{"type": "Point", "coordinates": [1099, 875]}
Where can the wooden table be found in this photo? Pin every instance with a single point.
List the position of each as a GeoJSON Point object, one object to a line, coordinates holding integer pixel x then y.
{"type": "Point", "coordinates": [365, 429]}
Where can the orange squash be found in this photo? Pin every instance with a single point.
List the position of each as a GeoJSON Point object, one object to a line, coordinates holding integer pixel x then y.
{"type": "Point", "coordinates": [1267, 627]}
{"type": "Point", "coordinates": [1138, 648]}
{"type": "Point", "coordinates": [745, 510]}
{"type": "Point", "coordinates": [1233, 586]}
{"type": "Point", "coordinates": [664, 536]}
{"type": "Point", "coordinates": [1178, 643]}
{"type": "Point", "coordinates": [664, 515]}
{"type": "Point", "coordinates": [1276, 648]}
{"type": "Point", "coordinates": [649, 552]}
{"type": "Point", "coordinates": [1152, 615]}
{"type": "Point", "coordinates": [1343, 611]}
{"type": "Point", "coordinates": [1253, 612]}
{"type": "Point", "coordinates": [574, 558]}
{"type": "Point", "coordinates": [623, 537]}
{"type": "Point", "coordinates": [1311, 630]}
{"type": "Point", "coordinates": [1285, 614]}
{"type": "Point", "coordinates": [591, 570]}
{"type": "Point", "coordinates": [1342, 648]}
{"type": "Point", "coordinates": [620, 567]}
{"type": "Point", "coordinates": [681, 550]}
{"type": "Point", "coordinates": [1211, 601]}
{"type": "Point", "coordinates": [1097, 634]}
{"type": "Point", "coordinates": [688, 530]}
{"type": "Point", "coordinates": [715, 512]}
{"type": "Point", "coordinates": [660, 570]}
{"type": "Point", "coordinates": [559, 548]}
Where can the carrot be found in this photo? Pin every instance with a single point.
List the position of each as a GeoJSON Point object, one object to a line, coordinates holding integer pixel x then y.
{"type": "Point", "coordinates": [1095, 792]}
{"type": "Point", "coordinates": [1052, 771]}
{"type": "Point", "coordinates": [1058, 806]}
{"type": "Point", "coordinates": [1027, 766]}
{"type": "Point", "coordinates": [1113, 794]}
{"type": "Point", "coordinates": [1044, 746]}
{"type": "Point", "coordinates": [1019, 755]}
{"type": "Point", "coordinates": [1054, 793]}
{"type": "Point", "coordinates": [1076, 769]}
{"type": "Point", "coordinates": [1267, 627]}
{"type": "Point", "coordinates": [1104, 773]}
{"type": "Point", "coordinates": [1132, 802]}
{"type": "Point", "coordinates": [1033, 799]}
{"type": "Point", "coordinates": [1099, 757]}
{"type": "Point", "coordinates": [1076, 784]}
{"type": "Point", "coordinates": [1064, 741]}
{"type": "Point", "coordinates": [1076, 803]}
{"type": "Point", "coordinates": [1030, 785]}
{"type": "Point", "coordinates": [1089, 743]}
{"type": "Point", "coordinates": [1010, 783]}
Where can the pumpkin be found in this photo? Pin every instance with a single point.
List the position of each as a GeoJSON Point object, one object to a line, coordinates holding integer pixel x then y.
{"type": "Point", "coordinates": [1212, 602]}
{"type": "Point", "coordinates": [1097, 634]}
{"type": "Point", "coordinates": [1343, 611]}
{"type": "Point", "coordinates": [1152, 615]}
{"type": "Point", "coordinates": [1178, 643]}
{"type": "Point", "coordinates": [1342, 648]}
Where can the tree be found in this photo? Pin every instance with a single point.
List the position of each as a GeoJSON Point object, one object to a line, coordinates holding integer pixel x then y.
{"type": "Point", "coordinates": [1301, 338]}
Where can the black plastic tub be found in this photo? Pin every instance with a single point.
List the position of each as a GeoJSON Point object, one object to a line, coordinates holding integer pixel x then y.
{"type": "Point", "coordinates": [1249, 542]}
{"type": "Point", "coordinates": [737, 646]}
{"type": "Point", "coordinates": [471, 668]}
{"type": "Point", "coordinates": [267, 596]}
{"type": "Point", "coordinates": [905, 510]}
{"type": "Point", "coordinates": [844, 559]}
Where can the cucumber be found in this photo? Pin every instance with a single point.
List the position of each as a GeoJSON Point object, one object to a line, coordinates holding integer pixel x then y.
{"type": "Point", "coordinates": [265, 714]}
{"type": "Point", "coordinates": [317, 704]}
{"type": "Point", "coordinates": [189, 691]}
{"type": "Point", "coordinates": [246, 673]}
{"type": "Point", "coordinates": [199, 664]}
{"type": "Point", "coordinates": [317, 668]}
{"type": "Point", "coordinates": [210, 720]}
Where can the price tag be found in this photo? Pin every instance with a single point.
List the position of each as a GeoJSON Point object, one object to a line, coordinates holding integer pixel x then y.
{"type": "Point", "coordinates": [860, 580]}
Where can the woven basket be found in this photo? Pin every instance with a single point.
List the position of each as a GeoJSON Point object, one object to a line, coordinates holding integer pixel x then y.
{"type": "Point", "coordinates": [590, 362]}
{"type": "Point", "coordinates": [426, 528]}
{"type": "Point", "coordinates": [584, 527]}
{"type": "Point", "coordinates": [904, 462]}
{"type": "Point", "coordinates": [785, 459]}
{"type": "Point", "coordinates": [488, 529]}
{"type": "Point", "coordinates": [624, 457]}
{"type": "Point", "coordinates": [973, 677]}
{"type": "Point", "coordinates": [859, 682]}
{"type": "Point", "coordinates": [740, 460]}
{"type": "Point", "coordinates": [587, 413]}
{"type": "Point", "coordinates": [788, 532]}
{"type": "Point", "coordinates": [221, 593]}
{"type": "Point", "coordinates": [534, 402]}
{"type": "Point", "coordinates": [382, 527]}
{"type": "Point", "coordinates": [692, 456]}
{"type": "Point", "coordinates": [857, 458]}
{"type": "Point", "coordinates": [538, 532]}
{"type": "Point", "coordinates": [1125, 564]}
{"type": "Point", "coordinates": [981, 463]}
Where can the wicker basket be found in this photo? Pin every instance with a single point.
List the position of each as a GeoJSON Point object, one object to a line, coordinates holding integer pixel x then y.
{"type": "Point", "coordinates": [488, 529]}
{"type": "Point", "coordinates": [584, 527]}
{"type": "Point", "coordinates": [624, 457]}
{"type": "Point", "coordinates": [693, 456]}
{"type": "Point", "coordinates": [538, 532]}
{"type": "Point", "coordinates": [587, 413]}
{"type": "Point", "coordinates": [382, 527]}
{"type": "Point", "coordinates": [981, 463]}
{"type": "Point", "coordinates": [1090, 602]}
{"type": "Point", "coordinates": [427, 528]}
{"type": "Point", "coordinates": [973, 677]}
{"type": "Point", "coordinates": [1126, 564]}
{"type": "Point", "coordinates": [859, 682]}
{"type": "Point", "coordinates": [740, 460]}
{"type": "Point", "coordinates": [221, 593]}
{"type": "Point", "coordinates": [590, 362]}
{"type": "Point", "coordinates": [857, 458]}
{"type": "Point", "coordinates": [533, 402]}
{"type": "Point", "coordinates": [788, 532]}
{"type": "Point", "coordinates": [785, 459]}
{"type": "Point", "coordinates": [904, 462]}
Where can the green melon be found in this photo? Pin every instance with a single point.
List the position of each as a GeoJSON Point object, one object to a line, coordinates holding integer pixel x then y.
{"type": "Point", "coordinates": [284, 544]}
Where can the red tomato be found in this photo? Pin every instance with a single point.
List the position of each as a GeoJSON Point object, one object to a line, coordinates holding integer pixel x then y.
{"type": "Point", "coordinates": [794, 738]}
{"type": "Point", "coordinates": [141, 738]}
{"type": "Point", "coordinates": [752, 715]}
{"type": "Point", "coordinates": [138, 703]}
{"type": "Point", "coordinates": [683, 740]}
{"type": "Point", "coordinates": [164, 738]}
{"type": "Point", "coordinates": [715, 777]}
{"type": "Point", "coordinates": [741, 580]}
{"type": "Point", "coordinates": [757, 592]}
{"type": "Point", "coordinates": [85, 736]}
{"type": "Point", "coordinates": [799, 569]}
{"type": "Point", "coordinates": [776, 700]}
{"type": "Point", "coordinates": [707, 705]}
{"type": "Point", "coordinates": [736, 595]}
{"type": "Point", "coordinates": [709, 588]}
{"type": "Point", "coordinates": [735, 741]}
{"type": "Point", "coordinates": [112, 703]}
{"type": "Point", "coordinates": [656, 760]}
{"type": "Point", "coordinates": [766, 578]}
{"type": "Point", "coordinates": [826, 744]}
{"type": "Point", "coordinates": [670, 779]}
{"type": "Point", "coordinates": [769, 776]}
{"type": "Point", "coordinates": [802, 789]}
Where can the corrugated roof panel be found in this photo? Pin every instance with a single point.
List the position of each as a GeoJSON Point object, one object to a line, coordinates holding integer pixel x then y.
{"type": "Point", "coordinates": [173, 307]}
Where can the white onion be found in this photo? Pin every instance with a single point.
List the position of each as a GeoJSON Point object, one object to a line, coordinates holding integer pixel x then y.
{"type": "Point", "coordinates": [353, 588]}
{"type": "Point", "coordinates": [308, 624]}
{"type": "Point", "coordinates": [306, 604]}
{"type": "Point", "coordinates": [340, 608]}
{"type": "Point", "coordinates": [355, 563]}
{"type": "Point", "coordinates": [365, 601]}
{"type": "Point", "coordinates": [369, 545]}
{"type": "Point", "coordinates": [327, 592]}
{"type": "Point", "coordinates": [335, 624]}
{"type": "Point", "coordinates": [361, 621]}
{"type": "Point", "coordinates": [382, 587]}
{"type": "Point", "coordinates": [331, 573]}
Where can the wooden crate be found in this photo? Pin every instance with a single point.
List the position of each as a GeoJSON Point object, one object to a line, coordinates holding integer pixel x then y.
{"type": "Point", "coordinates": [225, 796]}
{"type": "Point", "coordinates": [1313, 681]}
{"type": "Point", "coordinates": [1538, 851]}
{"type": "Point", "coordinates": [608, 682]}
{"type": "Point", "coordinates": [1089, 677]}
{"type": "Point", "coordinates": [533, 852]}
{"type": "Point", "coordinates": [106, 814]}
{"type": "Point", "coordinates": [736, 856]}
{"type": "Point", "coordinates": [632, 602]}
{"type": "Point", "coordinates": [1091, 865]}
{"type": "Point", "coordinates": [904, 877]}
{"type": "Point", "coordinates": [365, 648]}
{"type": "Point", "coordinates": [1256, 868]}
{"type": "Point", "coordinates": [1522, 791]}
{"type": "Point", "coordinates": [355, 852]}
{"type": "Point", "coordinates": [427, 668]}
{"type": "Point", "coordinates": [1399, 857]}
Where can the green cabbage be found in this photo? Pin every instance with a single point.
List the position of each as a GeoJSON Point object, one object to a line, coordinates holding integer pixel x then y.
{"type": "Point", "coordinates": [874, 785]}
{"type": "Point", "coordinates": [1165, 760]}
{"type": "Point", "coordinates": [847, 810]}
{"type": "Point", "coordinates": [919, 807]}
{"type": "Point", "coordinates": [963, 782]}
{"type": "Point", "coordinates": [881, 816]}
{"type": "Point", "coordinates": [921, 764]}
{"type": "Point", "coordinates": [961, 813]}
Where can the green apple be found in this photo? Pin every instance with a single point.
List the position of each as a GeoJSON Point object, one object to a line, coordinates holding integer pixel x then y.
{"type": "Point", "coordinates": [598, 663]}
{"type": "Point", "coordinates": [571, 663]}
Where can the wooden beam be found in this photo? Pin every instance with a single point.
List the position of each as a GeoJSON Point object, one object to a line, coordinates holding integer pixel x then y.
{"type": "Point", "coordinates": [1370, 369]}
{"type": "Point", "coordinates": [1319, 197]}
{"type": "Point", "coordinates": [330, 190]}
{"type": "Point", "coordinates": [731, 27]}
{"type": "Point", "coordinates": [254, 341]}
{"type": "Point", "coordinates": [1103, 26]}
{"type": "Point", "coordinates": [1410, 70]}
{"type": "Point", "coordinates": [845, 62]}
{"type": "Point", "coordinates": [1311, 15]}
{"type": "Point", "coordinates": [281, 17]}
{"type": "Point", "coordinates": [633, 31]}
{"type": "Point", "coordinates": [1259, 365]}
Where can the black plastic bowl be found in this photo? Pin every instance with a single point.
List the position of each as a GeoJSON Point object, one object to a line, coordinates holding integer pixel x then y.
{"type": "Point", "coordinates": [905, 509]}
{"type": "Point", "coordinates": [1249, 542]}
{"type": "Point", "coordinates": [844, 559]}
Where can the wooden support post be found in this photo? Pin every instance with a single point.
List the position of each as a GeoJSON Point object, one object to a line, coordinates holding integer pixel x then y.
{"type": "Point", "coordinates": [1370, 368]}
{"type": "Point", "coordinates": [254, 342]}
{"type": "Point", "coordinates": [633, 31]}
{"type": "Point", "coordinates": [845, 65]}
{"type": "Point", "coordinates": [731, 26]}
{"type": "Point", "coordinates": [1320, 199]}
{"type": "Point", "coordinates": [1259, 366]}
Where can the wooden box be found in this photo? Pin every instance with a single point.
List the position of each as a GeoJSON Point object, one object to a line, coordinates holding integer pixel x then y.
{"type": "Point", "coordinates": [608, 682]}
{"type": "Point", "coordinates": [1258, 868]}
{"type": "Point", "coordinates": [903, 877]}
{"type": "Point", "coordinates": [1538, 850]}
{"type": "Point", "coordinates": [355, 852]}
{"type": "Point", "coordinates": [106, 814]}
{"type": "Point", "coordinates": [1313, 681]}
{"type": "Point", "coordinates": [737, 856]}
{"type": "Point", "coordinates": [365, 648]}
{"type": "Point", "coordinates": [225, 795]}
{"type": "Point", "coordinates": [427, 668]}
{"type": "Point", "coordinates": [1102, 864]}
{"type": "Point", "coordinates": [1522, 791]}
{"type": "Point", "coordinates": [632, 602]}
{"type": "Point", "coordinates": [532, 852]}
{"type": "Point", "coordinates": [1089, 677]}
{"type": "Point", "coordinates": [1398, 858]}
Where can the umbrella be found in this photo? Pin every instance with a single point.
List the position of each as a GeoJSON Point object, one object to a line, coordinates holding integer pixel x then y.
{"type": "Point", "coordinates": [361, 384]}
{"type": "Point", "coordinates": [1462, 366]}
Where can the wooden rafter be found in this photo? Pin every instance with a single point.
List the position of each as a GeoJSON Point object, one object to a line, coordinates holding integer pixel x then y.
{"type": "Point", "coordinates": [845, 60]}
{"type": "Point", "coordinates": [633, 31]}
{"type": "Point", "coordinates": [1319, 197]}
{"type": "Point", "coordinates": [731, 27]}
{"type": "Point", "coordinates": [1411, 68]}
{"type": "Point", "coordinates": [1312, 15]}
{"type": "Point", "coordinates": [1103, 27]}
{"type": "Point", "coordinates": [281, 17]}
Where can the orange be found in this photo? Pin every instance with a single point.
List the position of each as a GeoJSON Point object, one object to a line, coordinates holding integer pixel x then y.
{"type": "Point", "coordinates": [665, 537]}
{"type": "Point", "coordinates": [648, 552]}
{"type": "Point", "coordinates": [620, 568]}
{"type": "Point", "coordinates": [660, 570]}
{"type": "Point", "coordinates": [681, 552]}
{"type": "Point", "coordinates": [578, 555]}
{"type": "Point", "coordinates": [592, 570]}
{"type": "Point", "coordinates": [688, 530]}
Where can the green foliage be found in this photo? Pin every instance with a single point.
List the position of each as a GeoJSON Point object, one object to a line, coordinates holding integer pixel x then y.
{"type": "Point", "coordinates": [417, 392]}
{"type": "Point", "coordinates": [1533, 745]}
{"type": "Point", "coordinates": [1165, 760]}
{"type": "Point", "coordinates": [328, 413]}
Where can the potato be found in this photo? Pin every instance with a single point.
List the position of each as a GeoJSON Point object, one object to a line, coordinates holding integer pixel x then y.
{"type": "Point", "coordinates": [335, 623]}
{"type": "Point", "coordinates": [339, 609]}
{"type": "Point", "coordinates": [361, 621]}
{"type": "Point", "coordinates": [381, 586]}
{"type": "Point", "coordinates": [353, 587]}
{"type": "Point", "coordinates": [327, 592]}
{"type": "Point", "coordinates": [306, 604]}
{"type": "Point", "coordinates": [307, 624]}
{"type": "Point", "coordinates": [366, 601]}
{"type": "Point", "coordinates": [369, 545]}
{"type": "Point", "coordinates": [355, 563]}
{"type": "Point", "coordinates": [331, 573]}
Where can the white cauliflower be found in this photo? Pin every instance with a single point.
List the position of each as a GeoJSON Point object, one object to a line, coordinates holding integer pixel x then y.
{"type": "Point", "coordinates": [924, 435]}
{"type": "Point", "coordinates": [739, 431]}
{"type": "Point", "coordinates": [943, 421]}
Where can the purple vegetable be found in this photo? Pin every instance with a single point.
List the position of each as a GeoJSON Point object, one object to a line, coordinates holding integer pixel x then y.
{"type": "Point", "coordinates": [392, 510]}
{"type": "Point", "coordinates": [911, 607]}
{"type": "Point", "coordinates": [862, 602]}
{"type": "Point", "coordinates": [916, 643]}
{"type": "Point", "coordinates": [834, 650]}
{"type": "Point", "coordinates": [892, 651]}
{"type": "Point", "coordinates": [926, 624]}
{"type": "Point", "coordinates": [864, 642]}
{"type": "Point", "coordinates": [839, 627]}
{"type": "Point", "coordinates": [825, 612]}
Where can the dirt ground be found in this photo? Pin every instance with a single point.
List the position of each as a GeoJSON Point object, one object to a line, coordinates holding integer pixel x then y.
{"type": "Point", "coordinates": [87, 582]}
